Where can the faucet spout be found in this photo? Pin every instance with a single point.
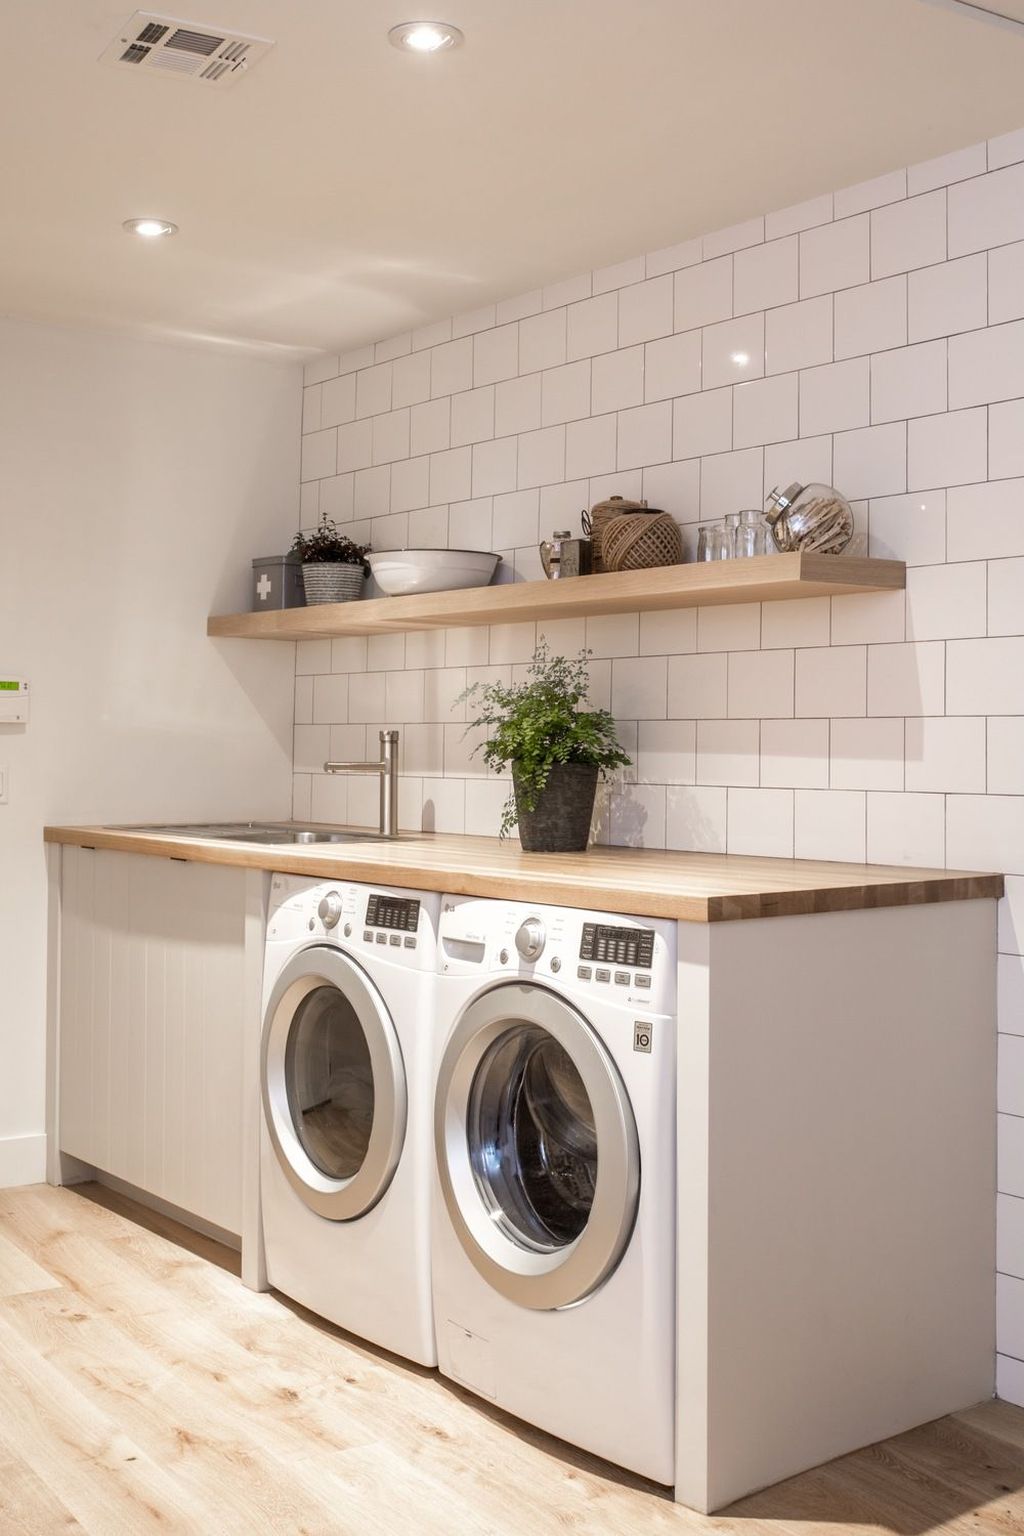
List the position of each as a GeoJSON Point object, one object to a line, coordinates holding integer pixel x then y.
{"type": "Point", "coordinates": [386, 767]}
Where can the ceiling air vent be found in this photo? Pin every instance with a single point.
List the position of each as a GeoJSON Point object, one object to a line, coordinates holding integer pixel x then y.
{"type": "Point", "coordinates": [166, 44]}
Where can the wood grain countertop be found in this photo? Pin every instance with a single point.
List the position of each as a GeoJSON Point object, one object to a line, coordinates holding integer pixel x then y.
{"type": "Point", "coordinates": [645, 882]}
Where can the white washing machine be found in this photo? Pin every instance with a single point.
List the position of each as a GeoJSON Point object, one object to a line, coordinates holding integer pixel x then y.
{"type": "Point", "coordinates": [554, 1140]}
{"type": "Point", "coordinates": [348, 1067]}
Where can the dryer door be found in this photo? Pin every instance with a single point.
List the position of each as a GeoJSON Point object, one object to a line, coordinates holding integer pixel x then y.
{"type": "Point", "coordinates": [334, 1090]}
{"type": "Point", "coordinates": [536, 1147]}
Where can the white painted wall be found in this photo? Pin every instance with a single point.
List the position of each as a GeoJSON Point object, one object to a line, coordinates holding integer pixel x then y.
{"type": "Point", "coordinates": [136, 483]}
{"type": "Point", "coordinates": [873, 338]}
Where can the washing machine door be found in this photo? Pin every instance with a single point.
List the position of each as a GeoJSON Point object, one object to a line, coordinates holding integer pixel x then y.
{"type": "Point", "coordinates": [536, 1147]}
{"type": "Point", "coordinates": [334, 1090]}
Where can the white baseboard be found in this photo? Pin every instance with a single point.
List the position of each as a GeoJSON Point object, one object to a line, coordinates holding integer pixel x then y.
{"type": "Point", "coordinates": [1010, 1380]}
{"type": "Point", "coordinates": [22, 1160]}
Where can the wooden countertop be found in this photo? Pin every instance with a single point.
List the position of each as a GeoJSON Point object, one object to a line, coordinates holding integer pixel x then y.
{"type": "Point", "coordinates": [646, 882]}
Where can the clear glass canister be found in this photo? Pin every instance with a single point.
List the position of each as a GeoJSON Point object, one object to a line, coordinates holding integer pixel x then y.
{"type": "Point", "coordinates": [814, 517]}
{"type": "Point", "coordinates": [711, 541]}
{"type": "Point", "coordinates": [731, 525]}
{"type": "Point", "coordinates": [752, 534]}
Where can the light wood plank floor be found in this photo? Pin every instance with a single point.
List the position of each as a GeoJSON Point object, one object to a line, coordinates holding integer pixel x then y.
{"type": "Point", "coordinates": [143, 1389]}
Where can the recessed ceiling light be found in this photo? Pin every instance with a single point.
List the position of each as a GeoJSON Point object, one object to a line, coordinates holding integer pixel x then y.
{"type": "Point", "coordinates": [424, 36]}
{"type": "Point", "coordinates": [149, 229]}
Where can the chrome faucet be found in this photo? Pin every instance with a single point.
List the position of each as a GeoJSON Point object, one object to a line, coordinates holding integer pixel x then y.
{"type": "Point", "coordinates": [387, 768]}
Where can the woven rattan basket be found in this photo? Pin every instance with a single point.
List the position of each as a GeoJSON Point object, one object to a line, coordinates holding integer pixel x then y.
{"type": "Point", "coordinates": [637, 540]}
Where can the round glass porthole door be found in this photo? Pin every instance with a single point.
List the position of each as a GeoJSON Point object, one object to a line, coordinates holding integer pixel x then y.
{"type": "Point", "coordinates": [533, 1139]}
{"type": "Point", "coordinates": [537, 1147]}
{"type": "Point", "coordinates": [334, 1092]}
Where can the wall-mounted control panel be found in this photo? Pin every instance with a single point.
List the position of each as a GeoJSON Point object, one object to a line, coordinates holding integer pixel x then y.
{"type": "Point", "coordinates": [13, 701]}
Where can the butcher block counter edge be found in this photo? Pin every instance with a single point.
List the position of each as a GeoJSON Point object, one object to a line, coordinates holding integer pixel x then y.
{"type": "Point", "coordinates": [648, 882]}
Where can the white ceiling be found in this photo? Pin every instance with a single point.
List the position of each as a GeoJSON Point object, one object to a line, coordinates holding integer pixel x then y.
{"type": "Point", "coordinates": [344, 191]}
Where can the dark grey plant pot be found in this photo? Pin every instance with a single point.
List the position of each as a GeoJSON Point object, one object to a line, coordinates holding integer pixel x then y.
{"type": "Point", "coordinates": [331, 581]}
{"type": "Point", "coordinates": [565, 810]}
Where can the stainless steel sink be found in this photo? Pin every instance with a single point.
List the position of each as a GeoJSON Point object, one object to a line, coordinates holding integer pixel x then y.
{"type": "Point", "coordinates": [274, 834]}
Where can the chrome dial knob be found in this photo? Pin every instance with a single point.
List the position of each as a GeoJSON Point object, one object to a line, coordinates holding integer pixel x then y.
{"type": "Point", "coordinates": [530, 939]}
{"type": "Point", "coordinates": [329, 909]}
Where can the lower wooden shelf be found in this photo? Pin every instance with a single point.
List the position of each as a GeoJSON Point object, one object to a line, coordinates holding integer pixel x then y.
{"type": "Point", "coordinates": [762, 579]}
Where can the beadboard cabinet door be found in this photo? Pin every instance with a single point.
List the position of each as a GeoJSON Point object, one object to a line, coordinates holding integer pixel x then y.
{"type": "Point", "coordinates": [152, 1026]}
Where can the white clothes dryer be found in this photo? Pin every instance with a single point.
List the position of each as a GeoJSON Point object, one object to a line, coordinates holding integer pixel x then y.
{"type": "Point", "coordinates": [347, 1074]}
{"type": "Point", "coordinates": [554, 1141]}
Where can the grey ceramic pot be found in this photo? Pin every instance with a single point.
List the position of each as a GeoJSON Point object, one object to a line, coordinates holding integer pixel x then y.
{"type": "Point", "coordinates": [565, 810]}
{"type": "Point", "coordinates": [329, 581]}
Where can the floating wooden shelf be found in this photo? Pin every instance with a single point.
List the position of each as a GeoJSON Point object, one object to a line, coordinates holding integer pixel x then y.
{"type": "Point", "coordinates": [763, 579]}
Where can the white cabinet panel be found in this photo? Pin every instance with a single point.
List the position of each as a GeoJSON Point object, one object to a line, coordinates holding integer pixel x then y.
{"type": "Point", "coordinates": [152, 1026]}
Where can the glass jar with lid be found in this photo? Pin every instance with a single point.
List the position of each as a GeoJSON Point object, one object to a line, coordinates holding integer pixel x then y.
{"type": "Point", "coordinates": [814, 518]}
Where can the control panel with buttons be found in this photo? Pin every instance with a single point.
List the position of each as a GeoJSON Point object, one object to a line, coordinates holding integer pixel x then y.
{"type": "Point", "coordinates": [392, 912]}
{"type": "Point", "coordinates": [359, 917]}
{"type": "Point", "coordinates": [397, 916]}
{"type": "Point", "coordinates": [626, 962]}
{"type": "Point", "coordinates": [617, 946]}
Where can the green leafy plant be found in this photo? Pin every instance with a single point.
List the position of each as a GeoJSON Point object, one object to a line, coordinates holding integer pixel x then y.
{"type": "Point", "coordinates": [326, 546]}
{"type": "Point", "coordinates": [537, 724]}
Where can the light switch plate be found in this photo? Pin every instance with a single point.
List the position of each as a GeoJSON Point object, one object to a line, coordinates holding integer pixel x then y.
{"type": "Point", "coordinates": [3, 785]}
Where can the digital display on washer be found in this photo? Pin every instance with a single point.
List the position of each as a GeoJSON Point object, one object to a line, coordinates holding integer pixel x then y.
{"type": "Point", "coordinates": [399, 913]}
{"type": "Point", "coordinates": [617, 946]}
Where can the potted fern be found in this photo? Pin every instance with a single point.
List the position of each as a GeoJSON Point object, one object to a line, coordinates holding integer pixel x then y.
{"type": "Point", "coordinates": [555, 748]}
{"type": "Point", "coordinates": [333, 566]}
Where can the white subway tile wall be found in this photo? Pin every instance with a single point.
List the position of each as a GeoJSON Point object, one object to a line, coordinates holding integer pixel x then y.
{"type": "Point", "coordinates": [873, 339]}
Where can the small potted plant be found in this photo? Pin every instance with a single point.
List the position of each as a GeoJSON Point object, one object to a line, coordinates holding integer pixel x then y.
{"type": "Point", "coordinates": [333, 566]}
{"type": "Point", "coordinates": [555, 749]}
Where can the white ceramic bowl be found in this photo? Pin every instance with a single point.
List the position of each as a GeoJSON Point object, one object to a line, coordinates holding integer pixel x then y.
{"type": "Point", "coordinates": [397, 571]}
